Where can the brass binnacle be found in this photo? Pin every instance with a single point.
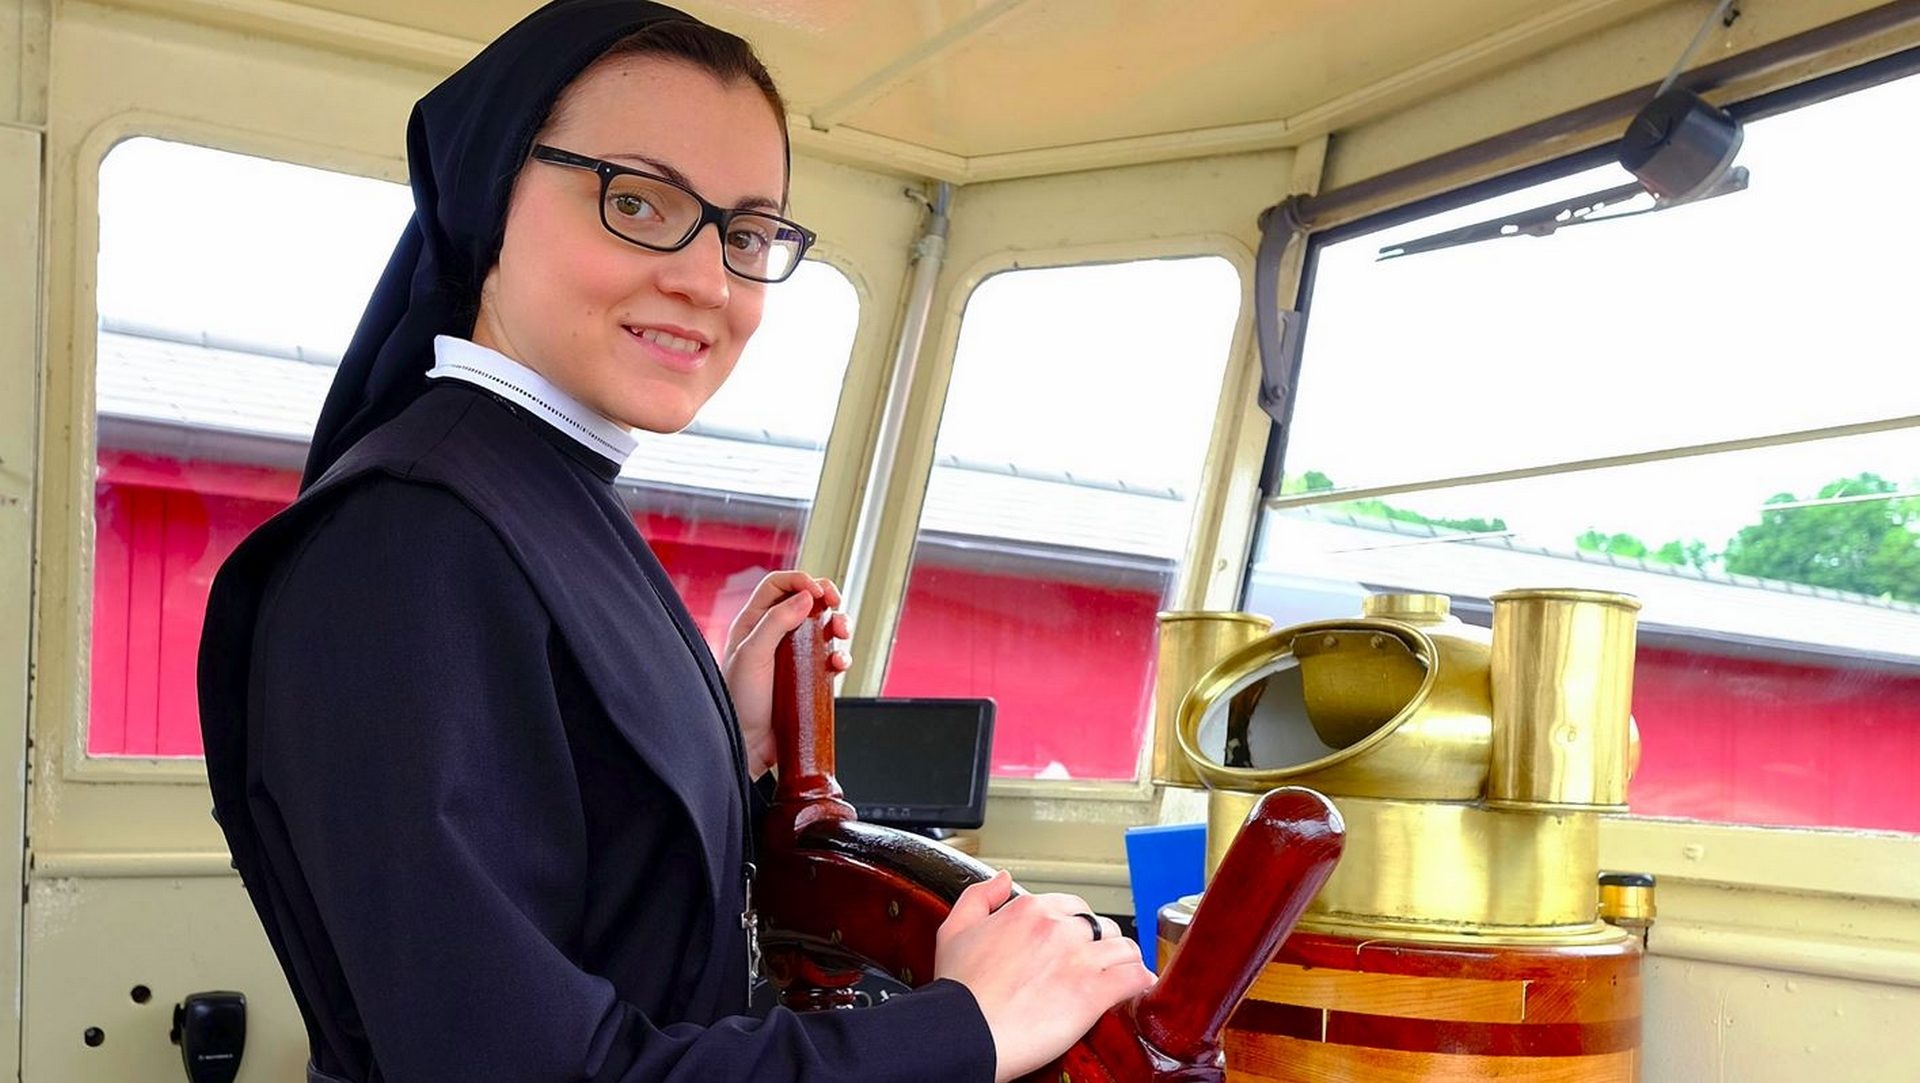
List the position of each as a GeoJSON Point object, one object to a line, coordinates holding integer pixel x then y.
{"type": "Point", "coordinates": [1562, 683]}
{"type": "Point", "coordinates": [1191, 642]}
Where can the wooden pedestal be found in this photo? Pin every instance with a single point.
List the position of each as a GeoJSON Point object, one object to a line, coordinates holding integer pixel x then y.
{"type": "Point", "coordinates": [1339, 1009]}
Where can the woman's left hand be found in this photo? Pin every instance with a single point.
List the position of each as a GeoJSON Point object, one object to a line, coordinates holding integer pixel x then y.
{"type": "Point", "coordinates": [779, 604]}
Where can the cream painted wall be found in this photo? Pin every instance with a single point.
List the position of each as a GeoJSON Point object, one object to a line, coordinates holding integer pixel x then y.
{"type": "Point", "coordinates": [20, 215]}
{"type": "Point", "coordinates": [1720, 1023]}
{"type": "Point", "coordinates": [92, 939]}
{"type": "Point", "coordinates": [23, 42]}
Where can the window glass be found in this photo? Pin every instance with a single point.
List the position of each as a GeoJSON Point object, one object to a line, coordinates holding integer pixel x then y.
{"type": "Point", "coordinates": [1778, 673]}
{"type": "Point", "coordinates": [228, 288]}
{"type": "Point", "coordinates": [1772, 309]}
{"type": "Point", "coordinates": [1059, 504]}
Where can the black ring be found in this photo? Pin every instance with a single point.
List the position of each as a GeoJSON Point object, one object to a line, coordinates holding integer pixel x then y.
{"type": "Point", "coordinates": [1092, 921]}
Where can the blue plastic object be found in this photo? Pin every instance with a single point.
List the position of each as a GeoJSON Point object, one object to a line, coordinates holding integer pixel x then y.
{"type": "Point", "coordinates": [1164, 862]}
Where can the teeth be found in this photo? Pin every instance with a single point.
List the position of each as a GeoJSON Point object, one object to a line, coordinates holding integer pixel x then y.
{"type": "Point", "coordinates": [671, 342]}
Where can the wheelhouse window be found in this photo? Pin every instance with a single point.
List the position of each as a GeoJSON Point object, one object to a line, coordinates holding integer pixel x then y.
{"type": "Point", "coordinates": [229, 286]}
{"type": "Point", "coordinates": [1059, 504]}
{"type": "Point", "coordinates": [1746, 366]}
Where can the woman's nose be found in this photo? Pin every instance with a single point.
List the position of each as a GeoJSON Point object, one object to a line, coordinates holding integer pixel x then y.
{"type": "Point", "coordinates": [698, 272]}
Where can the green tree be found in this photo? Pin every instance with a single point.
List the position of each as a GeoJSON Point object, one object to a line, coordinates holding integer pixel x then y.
{"type": "Point", "coordinates": [1313, 481]}
{"type": "Point", "coordinates": [1619, 545]}
{"type": "Point", "coordinates": [1692, 554]}
{"type": "Point", "coordinates": [1867, 546]}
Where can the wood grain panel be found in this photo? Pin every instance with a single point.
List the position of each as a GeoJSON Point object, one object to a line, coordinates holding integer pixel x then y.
{"type": "Point", "coordinates": [1254, 1058]}
{"type": "Point", "coordinates": [1458, 999]}
{"type": "Point", "coordinates": [1258, 1017]}
{"type": "Point", "coordinates": [1602, 996]}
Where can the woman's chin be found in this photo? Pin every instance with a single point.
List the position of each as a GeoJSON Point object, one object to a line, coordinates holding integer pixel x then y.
{"type": "Point", "coordinates": [657, 417]}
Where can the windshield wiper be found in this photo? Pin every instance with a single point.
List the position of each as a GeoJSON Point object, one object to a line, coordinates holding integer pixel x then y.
{"type": "Point", "coordinates": [1544, 221]}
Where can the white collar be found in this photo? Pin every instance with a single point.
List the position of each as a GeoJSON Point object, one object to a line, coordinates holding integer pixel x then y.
{"type": "Point", "coordinates": [459, 359]}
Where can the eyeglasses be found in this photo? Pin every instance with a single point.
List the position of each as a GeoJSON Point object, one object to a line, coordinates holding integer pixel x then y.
{"type": "Point", "coordinates": [664, 216]}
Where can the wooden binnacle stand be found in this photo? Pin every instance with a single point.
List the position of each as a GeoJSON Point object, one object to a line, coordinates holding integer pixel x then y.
{"type": "Point", "coordinates": [841, 899]}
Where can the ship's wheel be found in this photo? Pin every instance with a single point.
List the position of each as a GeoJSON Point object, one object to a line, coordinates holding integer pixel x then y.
{"type": "Point", "coordinates": [843, 901]}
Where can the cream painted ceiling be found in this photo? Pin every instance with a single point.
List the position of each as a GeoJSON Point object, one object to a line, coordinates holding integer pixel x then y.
{"type": "Point", "coordinates": [967, 81]}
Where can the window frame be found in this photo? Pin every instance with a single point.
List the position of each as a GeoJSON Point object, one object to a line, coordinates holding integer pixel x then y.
{"type": "Point", "coordinates": [1212, 494]}
{"type": "Point", "coordinates": [1850, 861]}
{"type": "Point", "coordinates": [76, 538]}
{"type": "Point", "coordinates": [75, 625]}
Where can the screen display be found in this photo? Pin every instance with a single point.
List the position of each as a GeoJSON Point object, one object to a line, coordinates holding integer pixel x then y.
{"type": "Point", "coordinates": [912, 761]}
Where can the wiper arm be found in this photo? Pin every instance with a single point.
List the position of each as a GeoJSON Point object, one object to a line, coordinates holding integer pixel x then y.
{"type": "Point", "coordinates": [1545, 221]}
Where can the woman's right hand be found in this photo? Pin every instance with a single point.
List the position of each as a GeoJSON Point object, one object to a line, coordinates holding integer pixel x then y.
{"type": "Point", "coordinates": [1034, 968]}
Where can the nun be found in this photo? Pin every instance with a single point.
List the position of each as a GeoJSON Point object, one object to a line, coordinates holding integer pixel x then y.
{"type": "Point", "coordinates": [490, 793]}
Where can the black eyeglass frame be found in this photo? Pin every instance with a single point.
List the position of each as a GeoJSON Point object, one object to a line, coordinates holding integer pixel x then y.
{"type": "Point", "coordinates": [719, 216]}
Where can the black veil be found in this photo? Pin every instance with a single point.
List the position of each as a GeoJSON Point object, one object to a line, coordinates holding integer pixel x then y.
{"type": "Point", "coordinates": [466, 141]}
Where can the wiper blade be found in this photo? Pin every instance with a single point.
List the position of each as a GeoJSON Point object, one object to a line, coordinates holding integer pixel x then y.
{"type": "Point", "coordinates": [1545, 221]}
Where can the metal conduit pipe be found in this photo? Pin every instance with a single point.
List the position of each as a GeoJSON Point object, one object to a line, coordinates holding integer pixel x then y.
{"type": "Point", "coordinates": [928, 256]}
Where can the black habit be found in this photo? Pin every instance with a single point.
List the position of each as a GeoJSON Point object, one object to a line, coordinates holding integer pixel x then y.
{"type": "Point", "coordinates": [482, 780]}
{"type": "Point", "coordinates": [476, 767]}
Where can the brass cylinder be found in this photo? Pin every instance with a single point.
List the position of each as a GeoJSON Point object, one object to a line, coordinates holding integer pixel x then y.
{"type": "Point", "coordinates": [1432, 869]}
{"type": "Point", "coordinates": [1227, 812]}
{"type": "Point", "coordinates": [1190, 643]}
{"type": "Point", "coordinates": [1412, 608]}
{"type": "Point", "coordinates": [1562, 685]}
{"type": "Point", "coordinates": [1626, 900]}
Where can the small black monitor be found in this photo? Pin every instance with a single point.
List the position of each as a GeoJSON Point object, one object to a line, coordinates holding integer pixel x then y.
{"type": "Point", "coordinates": [915, 763]}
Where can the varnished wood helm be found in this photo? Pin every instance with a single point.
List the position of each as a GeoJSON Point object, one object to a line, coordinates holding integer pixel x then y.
{"type": "Point", "coordinates": [842, 898]}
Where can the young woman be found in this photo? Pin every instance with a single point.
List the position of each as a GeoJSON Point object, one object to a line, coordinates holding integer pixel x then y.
{"type": "Point", "coordinates": [491, 795]}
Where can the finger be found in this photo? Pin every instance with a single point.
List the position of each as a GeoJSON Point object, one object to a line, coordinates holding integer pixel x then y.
{"type": "Point", "coordinates": [839, 662]}
{"type": "Point", "coordinates": [838, 627]}
{"type": "Point", "coordinates": [1118, 951]}
{"type": "Point", "coordinates": [1075, 926]}
{"type": "Point", "coordinates": [1117, 983]}
{"type": "Point", "coordinates": [978, 901]}
{"type": "Point", "coordinates": [1065, 904]}
{"type": "Point", "coordinates": [774, 588]}
{"type": "Point", "coordinates": [828, 591]}
{"type": "Point", "coordinates": [777, 622]}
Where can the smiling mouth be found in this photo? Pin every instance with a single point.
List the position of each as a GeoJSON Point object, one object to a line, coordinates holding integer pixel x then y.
{"type": "Point", "coordinates": [673, 351]}
{"type": "Point", "coordinates": [688, 346]}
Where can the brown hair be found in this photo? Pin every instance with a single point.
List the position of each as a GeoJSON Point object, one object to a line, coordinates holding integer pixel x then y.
{"type": "Point", "coordinates": [726, 57]}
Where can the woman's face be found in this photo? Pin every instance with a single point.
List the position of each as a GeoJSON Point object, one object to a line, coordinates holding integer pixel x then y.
{"type": "Point", "coordinates": [643, 337]}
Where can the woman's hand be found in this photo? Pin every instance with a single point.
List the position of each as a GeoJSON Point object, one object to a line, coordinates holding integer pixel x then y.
{"type": "Point", "coordinates": [779, 604]}
{"type": "Point", "coordinates": [1033, 966]}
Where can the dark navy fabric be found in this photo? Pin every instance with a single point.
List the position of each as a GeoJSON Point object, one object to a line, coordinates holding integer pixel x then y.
{"type": "Point", "coordinates": [484, 785]}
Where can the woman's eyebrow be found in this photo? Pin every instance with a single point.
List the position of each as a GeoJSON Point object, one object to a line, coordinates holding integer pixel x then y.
{"type": "Point", "coordinates": [668, 171]}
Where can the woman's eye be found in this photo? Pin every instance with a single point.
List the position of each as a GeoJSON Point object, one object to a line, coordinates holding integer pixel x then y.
{"type": "Point", "coordinates": [631, 206]}
{"type": "Point", "coordinates": [751, 241]}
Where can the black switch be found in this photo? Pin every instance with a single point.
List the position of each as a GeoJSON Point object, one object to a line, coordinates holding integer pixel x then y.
{"type": "Point", "coordinates": [211, 1031]}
